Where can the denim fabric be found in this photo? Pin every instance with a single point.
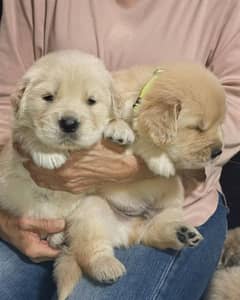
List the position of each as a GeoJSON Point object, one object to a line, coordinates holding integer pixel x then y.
{"type": "Point", "coordinates": [20, 279]}
{"type": "Point", "coordinates": [151, 274]}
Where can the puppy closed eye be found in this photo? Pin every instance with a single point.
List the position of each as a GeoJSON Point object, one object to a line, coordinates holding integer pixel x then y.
{"type": "Point", "coordinates": [196, 128]}
{"type": "Point", "coordinates": [48, 97]}
{"type": "Point", "coordinates": [199, 129]}
{"type": "Point", "coordinates": [91, 101]}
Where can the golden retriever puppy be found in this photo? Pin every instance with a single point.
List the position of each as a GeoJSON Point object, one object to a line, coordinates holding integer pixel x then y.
{"type": "Point", "coordinates": [176, 125]}
{"type": "Point", "coordinates": [63, 102]}
{"type": "Point", "coordinates": [180, 115]}
{"type": "Point", "coordinates": [225, 282]}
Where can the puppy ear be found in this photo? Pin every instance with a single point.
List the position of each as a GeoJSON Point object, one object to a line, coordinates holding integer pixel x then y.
{"type": "Point", "coordinates": [160, 120]}
{"type": "Point", "coordinates": [18, 94]}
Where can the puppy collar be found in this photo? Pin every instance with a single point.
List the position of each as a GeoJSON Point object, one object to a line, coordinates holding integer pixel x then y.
{"type": "Point", "coordinates": [147, 86]}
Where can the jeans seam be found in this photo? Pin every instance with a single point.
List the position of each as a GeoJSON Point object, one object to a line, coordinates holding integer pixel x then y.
{"type": "Point", "coordinates": [163, 277]}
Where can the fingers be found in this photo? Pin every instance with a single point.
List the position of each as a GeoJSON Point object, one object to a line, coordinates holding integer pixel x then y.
{"type": "Point", "coordinates": [43, 177]}
{"type": "Point", "coordinates": [39, 250]}
{"type": "Point", "coordinates": [42, 225]}
{"type": "Point", "coordinates": [19, 149]}
{"type": "Point", "coordinates": [114, 147]}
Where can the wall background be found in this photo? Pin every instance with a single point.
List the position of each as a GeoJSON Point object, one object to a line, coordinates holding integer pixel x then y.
{"type": "Point", "coordinates": [230, 181]}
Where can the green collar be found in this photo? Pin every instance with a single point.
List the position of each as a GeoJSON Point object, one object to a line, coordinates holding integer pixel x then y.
{"type": "Point", "coordinates": [147, 86]}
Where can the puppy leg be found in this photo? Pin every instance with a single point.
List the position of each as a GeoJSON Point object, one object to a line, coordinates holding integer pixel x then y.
{"type": "Point", "coordinates": [67, 273]}
{"type": "Point", "coordinates": [91, 234]}
{"type": "Point", "coordinates": [167, 230]}
{"type": "Point", "coordinates": [119, 132]}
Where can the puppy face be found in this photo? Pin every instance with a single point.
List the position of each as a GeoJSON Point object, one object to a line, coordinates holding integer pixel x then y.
{"type": "Point", "coordinates": [64, 100]}
{"type": "Point", "coordinates": [182, 114]}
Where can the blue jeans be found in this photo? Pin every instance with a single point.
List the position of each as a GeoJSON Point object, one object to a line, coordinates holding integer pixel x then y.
{"type": "Point", "coordinates": [151, 274]}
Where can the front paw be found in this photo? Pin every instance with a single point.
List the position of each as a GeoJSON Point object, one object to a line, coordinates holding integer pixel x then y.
{"type": "Point", "coordinates": [107, 269]}
{"type": "Point", "coordinates": [48, 161]}
{"type": "Point", "coordinates": [161, 165]}
{"type": "Point", "coordinates": [188, 236]}
{"type": "Point", "coordinates": [119, 132]}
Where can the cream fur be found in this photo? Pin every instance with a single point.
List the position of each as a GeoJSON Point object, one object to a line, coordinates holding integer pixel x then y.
{"type": "Point", "coordinates": [225, 282]}
{"type": "Point", "coordinates": [147, 211]}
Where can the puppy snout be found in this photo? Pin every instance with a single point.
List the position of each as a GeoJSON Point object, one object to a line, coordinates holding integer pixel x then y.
{"type": "Point", "coordinates": [216, 152]}
{"type": "Point", "coordinates": [69, 124]}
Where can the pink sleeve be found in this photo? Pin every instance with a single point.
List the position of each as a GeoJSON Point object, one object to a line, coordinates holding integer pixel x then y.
{"type": "Point", "coordinates": [20, 45]}
{"type": "Point", "coordinates": [226, 65]}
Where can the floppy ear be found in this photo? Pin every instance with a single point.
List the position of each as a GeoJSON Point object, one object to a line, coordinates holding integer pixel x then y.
{"type": "Point", "coordinates": [160, 120]}
{"type": "Point", "coordinates": [18, 94]}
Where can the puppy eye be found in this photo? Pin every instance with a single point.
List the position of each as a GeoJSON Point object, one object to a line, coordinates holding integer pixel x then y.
{"type": "Point", "coordinates": [91, 101]}
{"type": "Point", "coordinates": [48, 97]}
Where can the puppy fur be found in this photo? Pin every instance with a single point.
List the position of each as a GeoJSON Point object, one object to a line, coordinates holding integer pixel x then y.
{"type": "Point", "coordinates": [59, 86]}
{"type": "Point", "coordinates": [60, 91]}
{"type": "Point", "coordinates": [150, 211]}
{"type": "Point", "coordinates": [225, 282]}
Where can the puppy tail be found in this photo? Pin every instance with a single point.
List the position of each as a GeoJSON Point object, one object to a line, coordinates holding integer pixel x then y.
{"type": "Point", "coordinates": [67, 273]}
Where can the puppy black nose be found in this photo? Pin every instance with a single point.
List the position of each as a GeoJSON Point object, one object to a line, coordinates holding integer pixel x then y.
{"type": "Point", "coordinates": [68, 124]}
{"type": "Point", "coordinates": [216, 152]}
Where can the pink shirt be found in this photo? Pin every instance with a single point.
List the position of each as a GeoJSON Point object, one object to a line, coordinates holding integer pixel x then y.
{"type": "Point", "coordinates": [205, 31]}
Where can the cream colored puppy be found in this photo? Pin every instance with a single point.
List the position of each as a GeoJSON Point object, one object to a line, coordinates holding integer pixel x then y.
{"type": "Point", "coordinates": [180, 115]}
{"type": "Point", "coordinates": [63, 103]}
{"type": "Point", "coordinates": [225, 282]}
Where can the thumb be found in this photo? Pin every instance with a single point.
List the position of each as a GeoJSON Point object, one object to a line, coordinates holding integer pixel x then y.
{"type": "Point", "coordinates": [42, 225]}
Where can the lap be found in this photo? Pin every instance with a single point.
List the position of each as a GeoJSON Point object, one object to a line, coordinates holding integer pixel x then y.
{"type": "Point", "coordinates": [151, 274]}
{"type": "Point", "coordinates": [169, 275]}
{"type": "Point", "coordinates": [22, 279]}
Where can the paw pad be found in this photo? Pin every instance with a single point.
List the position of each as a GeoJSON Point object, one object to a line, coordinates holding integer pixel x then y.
{"type": "Point", "coordinates": [188, 236]}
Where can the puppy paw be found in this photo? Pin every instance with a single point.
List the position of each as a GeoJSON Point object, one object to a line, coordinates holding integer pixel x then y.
{"type": "Point", "coordinates": [119, 132]}
{"type": "Point", "coordinates": [161, 165]}
{"type": "Point", "coordinates": [56, 240]}
{"type": "Point", "coordinates": [48, 161]}
{"type": "Point", "coordinates": [107, 269]}
{"type": "Point", "coordinates": [188, 236]}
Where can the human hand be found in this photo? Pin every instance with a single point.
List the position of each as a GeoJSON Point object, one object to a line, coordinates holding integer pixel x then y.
{"type": "Point", "coordinates": [103, 163]}
{"type": "Point", "coordinates": [25, 234]}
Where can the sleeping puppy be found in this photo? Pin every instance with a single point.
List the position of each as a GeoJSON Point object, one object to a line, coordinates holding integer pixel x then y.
{"type": "Point", "coordinates": [176, 125]}
{"type": "Point", "coordinates": [180, 115]}
{"type": "Point", "coordinates": [225, 282]}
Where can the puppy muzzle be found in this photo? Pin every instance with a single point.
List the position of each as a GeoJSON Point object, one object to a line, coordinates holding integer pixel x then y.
{"type": "Point", "coordinates": [69, 124]}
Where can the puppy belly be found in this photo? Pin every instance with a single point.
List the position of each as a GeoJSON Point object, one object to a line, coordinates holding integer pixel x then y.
{"type": "Point", "coordinates": [144, 197]}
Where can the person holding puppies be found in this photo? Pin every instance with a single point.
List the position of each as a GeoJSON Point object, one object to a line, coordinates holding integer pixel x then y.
{"type": "Point", "coordinates": [122, 33]}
